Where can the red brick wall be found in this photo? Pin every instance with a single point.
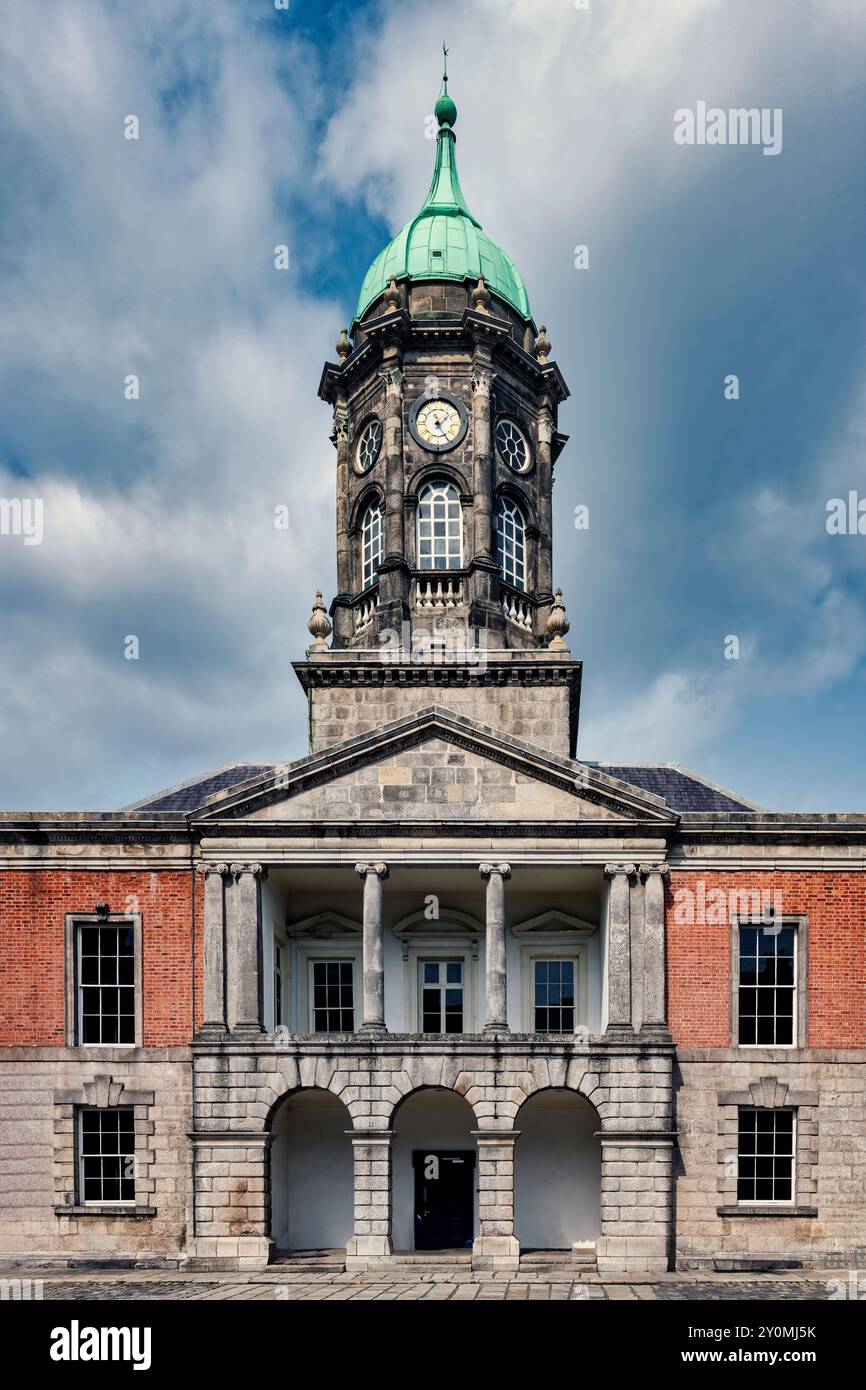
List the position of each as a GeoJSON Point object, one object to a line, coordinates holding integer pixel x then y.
{"type": "Point", "coordinates": [699, 964]}
{"type": "Point", "coordinates": [32, 991]}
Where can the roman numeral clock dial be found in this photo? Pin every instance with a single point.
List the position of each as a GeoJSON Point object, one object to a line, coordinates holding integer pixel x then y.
{"type": "Point", "coordinates": [439, 423]}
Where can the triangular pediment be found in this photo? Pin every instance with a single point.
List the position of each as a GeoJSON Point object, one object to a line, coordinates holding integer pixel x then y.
{"type": "Point", "coordinates": [554, 923]}
{"type": "Point", "coordinates": [435, 766]}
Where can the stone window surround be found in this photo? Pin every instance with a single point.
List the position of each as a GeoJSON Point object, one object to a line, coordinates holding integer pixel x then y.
{"type": "Point", "coordinates": [552, 950]}
{"type": "Point", "coordinates": [307, 953]}
{"type": "Point", "coordinates": [71, 922]}
{"type": "Point", "coordinates": [101, 1093]}
{"type": "Point", "coordinates": [786, 919]}
{"type": "Point", "coordinates": [769, 1093]}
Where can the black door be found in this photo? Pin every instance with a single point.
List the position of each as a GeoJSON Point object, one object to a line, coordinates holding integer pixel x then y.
{"type": "Point", "coordinates": [444, 1189]}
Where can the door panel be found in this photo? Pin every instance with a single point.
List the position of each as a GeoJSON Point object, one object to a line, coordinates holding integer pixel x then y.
{"type": "Point", "coordinates": [444, 1191]}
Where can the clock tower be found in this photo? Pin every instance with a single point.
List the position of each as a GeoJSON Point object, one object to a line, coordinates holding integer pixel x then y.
{"type": "Point", "coordinates": [445, 406]}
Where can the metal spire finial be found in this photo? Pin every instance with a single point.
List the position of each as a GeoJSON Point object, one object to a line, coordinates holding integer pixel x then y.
{"type": "Point", "coordinates": [445, 73]}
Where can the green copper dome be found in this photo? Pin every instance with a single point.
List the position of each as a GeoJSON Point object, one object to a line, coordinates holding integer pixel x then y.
{"type": "Point", "coordinates": [444, 241]}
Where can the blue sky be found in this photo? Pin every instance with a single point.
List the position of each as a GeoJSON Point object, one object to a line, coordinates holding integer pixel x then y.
{"type": "Point", "coordinates": [308, 127]}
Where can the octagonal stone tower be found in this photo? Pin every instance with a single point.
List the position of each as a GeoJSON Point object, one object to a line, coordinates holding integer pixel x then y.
{"type": "Point", "coordinates": [445, 427]}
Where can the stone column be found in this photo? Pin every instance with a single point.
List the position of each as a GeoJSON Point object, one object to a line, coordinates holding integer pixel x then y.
{"type": "Point", "coordinates": [213, 877]}
{"type": "Point", "coordinates": [244, 948]}
{"type": "Point", "coordinates": [373, 1020]}
{"type": "Point", "coordinates": [496, 1010]}
{"type": "Point", "coordinates": [372, 1229]}
{"type": "Point", "coordinates": [544, 568]}
{"type": "Point", "coordinates": [496, 1246]}
{"type": "Point", "coordinates": [482, 454]}
{"type": "Point", "coordinates": [654, 1009]}
{"type": "Point", "coordinates": [342, 606]}
{"type": "Point", "coordinates": [394, 538]}
{"type": "Point", "coordinates": [619, 1022]}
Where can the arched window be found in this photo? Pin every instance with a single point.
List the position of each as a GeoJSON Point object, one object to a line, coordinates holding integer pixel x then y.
{"type": "Point", "coordinates": [371, 542]}
{"type": "Point", "coordinates": [511, 542]}
{"type": "Point", "coordinates": [440, 528]}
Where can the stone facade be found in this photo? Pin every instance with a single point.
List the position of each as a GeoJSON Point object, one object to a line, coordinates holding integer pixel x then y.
{"type": "Point", "coordinates": [283, 919]}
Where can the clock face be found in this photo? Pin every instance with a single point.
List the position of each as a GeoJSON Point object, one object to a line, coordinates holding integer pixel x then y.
{"type": "Point", "coordinates": [439, 423]}
{"type": "Point", "coordinates": [512, 445]}
{"type": "Point", "coordinates": [368, 446]}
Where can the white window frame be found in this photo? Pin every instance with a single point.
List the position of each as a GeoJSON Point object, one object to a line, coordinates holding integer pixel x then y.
{"type": "Point", "coordinates": [770, 1201]}
{"type": "Point", "coordinates": [80, 924]}
{"type": "Point", "coordinates": [513, 572]}
{"type": "Point", "coordinates": [279, 951]}
{"type": "Point", "coordinates": [437, 958]}
{"type": "Point", "coordinates": [572, 951]}
{"type": "Point", "coordinates": [797, 926]}
{"type": "Point", "coordinates": [372, 543]}
{"type": "Point", "coordinates": [308, 956]}
{"type": "Point", "coordinates": [79, 1137]}
{"type": "Point", "coordinates": [427, 495]}
{"type": "Point", "coordinates": [460, 948]}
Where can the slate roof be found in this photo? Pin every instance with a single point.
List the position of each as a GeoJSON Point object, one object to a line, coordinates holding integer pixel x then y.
{"type": "Point", "coordinates": [681, 790]}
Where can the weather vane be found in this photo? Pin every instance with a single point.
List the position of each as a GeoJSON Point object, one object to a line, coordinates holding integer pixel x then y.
{"type": "Point", "coordinates": [445, 74]}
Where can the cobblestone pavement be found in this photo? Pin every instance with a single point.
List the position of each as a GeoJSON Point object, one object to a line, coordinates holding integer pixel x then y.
{"type": "Point", "coordinates": [412, 1284]}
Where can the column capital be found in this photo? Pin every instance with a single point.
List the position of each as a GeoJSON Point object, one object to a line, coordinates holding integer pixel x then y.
{"type": "Point", "coordinates": [646, 869]}
{"type": "Point", "coordinates": [380, 870]}
{"type": "Point", "coordinates": [482, 381]}
{"type": "Point", "coordinates": [206, 869]}
{"type": "Point", "coordinates": [257, 870]}
{"type": "Point", "coordinates": [611, 870]}
{"type": "Point", "coordinates": [485, 870]}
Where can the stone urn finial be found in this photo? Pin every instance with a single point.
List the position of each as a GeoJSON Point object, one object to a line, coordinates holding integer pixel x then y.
{"type": "Point", "coordinates": [344, 347]}
{"type": "Point", "coordinates": [557, 624]}
{"type": "Point", "coordinates": [481, 297]}
{"type": "Point", "coordinates": [542, 345]}
{"type": "Point", "coordinates": [392, 297]}
{"type": "Point", "coordinates": [319, 625]}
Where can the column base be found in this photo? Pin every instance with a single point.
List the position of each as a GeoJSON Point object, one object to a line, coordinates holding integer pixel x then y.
{"type": "Point", "coordinates": [496, 1028]}
{"type": "Point", "coordinates": [372, 1030]}
{"type": "Point", "coordinates": [496, 1252]}
{"type": "Point", "coordinates": [655, 1032]}
{"type": "Point", "coordinates": [211, 1030]}
{"type": "Point", "coordinates": [247, 1030]}
{"type": "Point", "coordinates": [228, 1253]}
{"type": "Point", "coordinates": [618, 1032]}
{"type": "Point", "coordinates": [362, 1249]}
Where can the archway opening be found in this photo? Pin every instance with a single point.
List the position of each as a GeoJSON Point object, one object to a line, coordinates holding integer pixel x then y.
{"type": "Point", "coordinates": [434, 1185]}
{"type": "Point", "coordinates": [311, 1173]}
{"type": "Point", "coordinates": [557, 1178]}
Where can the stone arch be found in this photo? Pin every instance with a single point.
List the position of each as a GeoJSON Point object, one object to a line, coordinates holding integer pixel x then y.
{"type": "Point", "coordinates": [559, 1074]}
{"type": "Point", "coordinates": [557, 1171]}
{"type": "Point", "coordinates": [430, 471]}
{"type": "Point", "coordinates": [310, 1170]}
{"type": "Point", "coordinates": [373, 492]}
{"type": "Point", "coordinates": [433, 1126]}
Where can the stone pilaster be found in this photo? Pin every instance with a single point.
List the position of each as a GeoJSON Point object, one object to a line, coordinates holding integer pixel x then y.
{"type": "Point", "coordinates": [496, 1010]}
{"type": "Point", "coordinates": [654, 999]}
{"type": "Point", "coordinates": [341, 608]}
{"type": "Point", "coordinates": [214, 879]}
{"type": "Point", "coordinates": [371, 1239]}
{"type": "Point", "coordinates": [373, 1017]}
{"type": "Point", "coordinates": [544, 566]}
{"type": "Point", "coordinates": [244, 948]}
{"type": "Point", "coordinates": [394, 569]}
{"type": "Point", "coordinates": [496, 1246]}
{"type": "Point", "coordinates": [619, 951]}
